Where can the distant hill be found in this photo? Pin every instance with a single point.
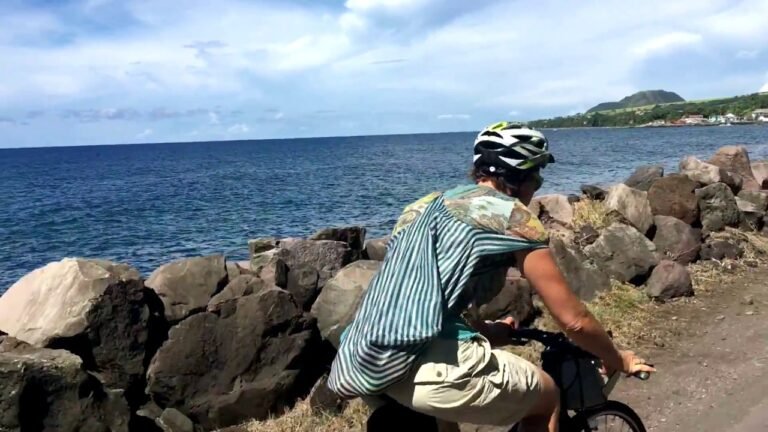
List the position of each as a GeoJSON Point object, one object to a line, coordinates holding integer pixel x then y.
{"type": "Point", "coordinates": [643, 98]}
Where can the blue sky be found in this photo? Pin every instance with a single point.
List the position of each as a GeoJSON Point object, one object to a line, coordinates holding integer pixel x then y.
{"type": "Point", "coordinates": [78, 72]}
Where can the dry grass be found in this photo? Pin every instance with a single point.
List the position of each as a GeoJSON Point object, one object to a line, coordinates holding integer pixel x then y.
{"type": "Point", "coordinates": [594, 213]}
{"type": "Point", "coordinates": [302, 419]}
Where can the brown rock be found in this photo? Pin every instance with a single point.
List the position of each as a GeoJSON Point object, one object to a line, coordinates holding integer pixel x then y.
{"type": "Point", "coordinates": [325, 256]}
{"type": "Point", "coordinates": [735, 159]}
{"type": "Point", "coordinates": [376, 249]}
{"type": "Point", "coordinates": [669, 280]}
{"type": "Point", "coordinates": [240, 286]}
{"type": "Point", "coordinates": [353, 236]}
{"type": "Point", "coordinates": [759, 199]}
{"type": "Point", "coordinates": [514, 299]}
{"type": "Point", "coordinates": [675, 196]}
{"type": "Point", "coordinates": [707, 174]}
{"type": "Point", "coordinates": [760, 170]}
{"type": "Point", "coordinates": [186, 286]}
{"type": "Point", "coordinates": [676, 240]}
{"type": "Point", "coordinates": [623, 253]}
{"type": "Point", "coordinates": [323, 400]}
{"type": "Point", "coordinates": [260, 245]}
{"type": "Point", "coordinates": [270, 267]}
{"type": "Point", "coordinates": [555, 207]}
{"type": "Point", "coordinates": [594, 192]}
{"type": "Point", "coordinates": [644, 176]}
{"type": "Point", "coordinates": [581, 273]}
{"type": "Point", "coordinates": [302, 284]}
{"type": "Point", "coordinates": [720, 250]}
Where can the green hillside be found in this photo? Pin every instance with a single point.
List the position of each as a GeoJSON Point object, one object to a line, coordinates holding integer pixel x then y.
{"type": "Point", "coordinates": [741, 106]}
{"type": "Point", "coordinates": [639, 99]}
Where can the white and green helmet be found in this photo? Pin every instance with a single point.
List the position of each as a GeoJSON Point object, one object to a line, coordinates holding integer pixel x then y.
{"type": "Point", "coordinates": [506, 145]}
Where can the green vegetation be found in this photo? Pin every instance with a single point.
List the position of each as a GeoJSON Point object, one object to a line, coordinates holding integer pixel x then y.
{"type": "Point", "coordinates": [639, 99]}
{"type": "Point", "coordinates": [741, 106]}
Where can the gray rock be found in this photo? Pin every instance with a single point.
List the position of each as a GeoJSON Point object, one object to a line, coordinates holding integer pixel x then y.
{"type": "Point", "coordinates": [240, 286]}
{"type": "Point", "coordinates": [632, 204]}
{"type": "Point", "coordinates": [260, 245]}
{"type": "Point", "coordinates": [186, 286]}
{"type": "Point", "coordinates": [644, 176]}
{"type": "Point", "coordinates": [89, 308]}
{"type": "Point", "coordinates": [623, 253]}
{"type": "Point", "coordinates": [759, 199]}
{"type": "Point", "coordinates": [675, 196]}
{"type": "Point", "coordinates": [270, 267]}
{"type": "Point", "coordinates": [707, 174]}
{"type": "Point", "coordinates": [323, 400]}
{"type": "Point", "coordinates": [353, 236]}
{"type": "Point", "coordinates": [338, 301]}
{"type": "Point", "coordinates": [581, 273]}
{"type": "Point", "coordinates": [172, 420]}
{"type": "Point", "coordinates": [556, 207]}
{"type": "Point", "coordinates": [720, 250]}
{"type": "Point", "coordinates": [676, 240]}
{"type": "Point", "coordinates": [586, 235]}
{"type": "Point", "coordinates": [325, 256]}
{"type": "Point", "coordinates": [376, 249]}
{"type": "Point", "coordinates": [224, 370]}
{"type": "Point", "coordinates": [594, 192]}
{"type": "Point", "coordinates": [302, 284]}
{"type": "Point", "coordinates": [718, 207]}
{"type": "Point", "coordinates": [669, 280]}
{"type": "Point", "coordinates": [735, 159]}
{"type": "Point", "coordinates": [751, 215]}
{"type": "Point", "coordinates": [47, 390]}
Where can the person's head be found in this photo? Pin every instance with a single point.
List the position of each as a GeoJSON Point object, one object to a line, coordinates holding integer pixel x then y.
{"type": "Point", "coordinates": [508, 158]}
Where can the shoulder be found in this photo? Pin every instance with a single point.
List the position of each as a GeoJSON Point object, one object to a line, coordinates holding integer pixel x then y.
{"type": "Point", "coordinates": [523, 224]}
{"type": "Point", "coordinates": [413, 210]}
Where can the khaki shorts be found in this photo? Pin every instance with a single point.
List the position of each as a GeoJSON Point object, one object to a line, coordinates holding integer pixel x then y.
{"type": "Point", "coordinates": [468, 382]}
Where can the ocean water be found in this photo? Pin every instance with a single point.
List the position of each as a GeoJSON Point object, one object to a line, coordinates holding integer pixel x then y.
{"type": "Point", "coordinates": [148, 204]}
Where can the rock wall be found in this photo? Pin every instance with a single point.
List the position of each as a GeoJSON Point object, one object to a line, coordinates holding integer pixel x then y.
{"type": "Point", "coordinates": [204, 343]}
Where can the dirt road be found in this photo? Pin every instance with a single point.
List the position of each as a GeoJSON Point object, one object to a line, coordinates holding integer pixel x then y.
{"type": "Point", "coordinates": [713, 367]}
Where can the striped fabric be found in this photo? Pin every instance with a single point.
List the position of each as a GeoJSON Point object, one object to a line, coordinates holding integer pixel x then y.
{"type": "Point", "coordinates": [427, 267]}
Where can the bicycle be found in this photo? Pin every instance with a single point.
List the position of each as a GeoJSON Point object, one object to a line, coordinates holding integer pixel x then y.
{"type": "Point", "coordinates": [584, 392]}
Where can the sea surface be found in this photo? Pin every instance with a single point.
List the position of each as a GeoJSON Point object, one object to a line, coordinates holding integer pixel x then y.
{"type": "Point", "coordinates": [148, 204]}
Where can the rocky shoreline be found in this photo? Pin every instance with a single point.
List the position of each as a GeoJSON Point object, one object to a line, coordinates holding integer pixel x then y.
{"type": "Point", "coordinates": [204, 343]}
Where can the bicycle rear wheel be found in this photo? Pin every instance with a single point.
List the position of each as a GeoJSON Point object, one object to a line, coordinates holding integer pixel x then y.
{"type": "Point", "coordinates": [612, 417]}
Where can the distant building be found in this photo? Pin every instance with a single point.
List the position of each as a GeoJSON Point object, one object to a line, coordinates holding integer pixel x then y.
{"type": "Point", "coordinates": [760, 115]}
{"type": "Point", "coordinates": [692, 119]}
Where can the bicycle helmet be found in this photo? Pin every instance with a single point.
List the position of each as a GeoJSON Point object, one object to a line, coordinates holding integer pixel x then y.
{"type": "Point", "coordinates": [507, 146]}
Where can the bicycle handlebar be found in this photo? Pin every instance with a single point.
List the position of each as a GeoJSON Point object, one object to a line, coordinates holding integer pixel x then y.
{"type": "Point", "coordinates": [521, 336]}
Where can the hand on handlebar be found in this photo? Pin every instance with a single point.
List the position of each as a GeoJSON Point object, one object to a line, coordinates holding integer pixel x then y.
{"type": "Point", "coordinates": [632, 364]}
{"type": "Point", "coordinates": [498, 332]}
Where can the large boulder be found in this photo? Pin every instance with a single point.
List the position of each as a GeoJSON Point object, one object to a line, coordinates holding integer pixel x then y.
{"type": "Point", "coordinates": [760, 170]}
{"type": "Point", "coordinates": [644, 176]}
{"type": "Point", "coordinates": [96, 309]}
{"type": "Point", "coordinates": [270, 267]}
{"type": "Point", "coordinates": [48, 390]}
{"type": "Point", "coordinates": [376, 249]}
{"type": "Point", "coordinates": [513, 298]}
{"type": "Point", "coordinates": [555, 207]}
{"type": "Point", "coordinates": [593, 192]}
{"type": "Point", "coordinates": [632, 204]}
{"type": "Point", "coordinates": [240, 286]}
{"type": "Point", "coordinates": [707, 174]}
{"type": "Point", "coordinates": [186, 286]}
{"type": "Point", "coordinates": [675, 196]}
{"type": "Point", "coordinates": [302, 284]}
{"type": "Point", "coordinates": [676, 240]}
{"type": "Point", "coordinates": [337, 304]}
{"type": "Point", "coordinates": [669, 280]}
{"type": "Point", "coordinates": [735, 159]}
{"type": "Point", "coordinates": [623, 253]}
{"type": "Point", "coordinates": [325, 256]}
{"type": "Point", "coordinates": [221, 370]}
{"type": "Point", "coordinates": [353, 236]}
{"type": "Point", "coordinates": [718, 207]}
{"type": "Point", "coordinates": [261, 245]}
{"type": "Point", "coordinates": [581, 273]}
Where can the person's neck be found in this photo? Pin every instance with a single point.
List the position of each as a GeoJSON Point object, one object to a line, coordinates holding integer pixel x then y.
{"type": "Point", "coordinates": [489, 184]}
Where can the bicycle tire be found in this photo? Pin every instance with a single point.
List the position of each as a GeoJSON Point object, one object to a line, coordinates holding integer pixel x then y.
{"type": "Point", "coordinates": [614, 409]}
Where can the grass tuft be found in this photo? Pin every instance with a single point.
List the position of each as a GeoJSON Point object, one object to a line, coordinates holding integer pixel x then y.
{"type": "Point", "coordinates": [302, 419]}
{"type": "Point", "coordinates": [594, 213]}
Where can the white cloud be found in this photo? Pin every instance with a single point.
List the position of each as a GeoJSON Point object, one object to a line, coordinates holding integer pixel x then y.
{"type": "Point", "coordinates": [747, 54]}
{"type": "Point", "coordinates": [667, 43]}
{"type": "Point", "coordinates": [239, 128]}
{"type": "Point", "coordinates": [145, 134]}
{"type": "Point", "coordinates": [279, 115]}
{"type": "Point", "coordinates": [213, 118]}
{"type": "Point", "coordinates": [454, 117]}
{"type": "Point", "coordinates": [513, 113]}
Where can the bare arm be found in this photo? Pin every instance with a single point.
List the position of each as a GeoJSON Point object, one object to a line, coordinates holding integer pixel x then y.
{"type": "Point", "coordinates": [541, 270]}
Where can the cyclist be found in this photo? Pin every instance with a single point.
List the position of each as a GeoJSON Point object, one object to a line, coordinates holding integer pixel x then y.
{"type": "Point", "coordinates": [416, 337]}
